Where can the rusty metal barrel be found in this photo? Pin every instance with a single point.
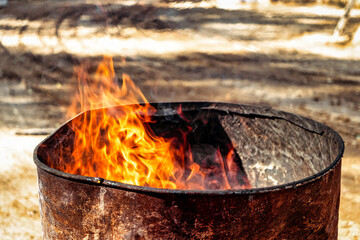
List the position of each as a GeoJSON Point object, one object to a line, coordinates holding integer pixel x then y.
{"type": "Point", "coordinates": [293, 164]}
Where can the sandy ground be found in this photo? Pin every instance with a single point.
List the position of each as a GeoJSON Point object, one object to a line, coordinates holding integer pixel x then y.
{"type": "Point", "coordinates": [273, 55]}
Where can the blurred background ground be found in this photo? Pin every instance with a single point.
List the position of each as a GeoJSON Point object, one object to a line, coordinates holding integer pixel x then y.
{"type": "Point", "coordinates": [273, 54]}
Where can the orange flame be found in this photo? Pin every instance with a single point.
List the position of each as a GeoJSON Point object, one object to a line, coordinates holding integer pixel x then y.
{"type": "Point", "coordinates": [120, 145]}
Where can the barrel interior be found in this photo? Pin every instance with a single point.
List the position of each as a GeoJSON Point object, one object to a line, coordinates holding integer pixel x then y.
{"type": "Point", "coordinates": [269, 150]}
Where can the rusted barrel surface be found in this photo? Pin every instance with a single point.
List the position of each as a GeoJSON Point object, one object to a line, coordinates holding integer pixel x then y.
{"type": "Point", "coordinates": [293, 164]}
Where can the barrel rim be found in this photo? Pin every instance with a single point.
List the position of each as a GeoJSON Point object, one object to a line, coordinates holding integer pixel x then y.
{"type": "Point", "coordinates": [260, 111]}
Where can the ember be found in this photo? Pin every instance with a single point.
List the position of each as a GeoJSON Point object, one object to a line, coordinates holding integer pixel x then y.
{"type": "Point", "coordinates": [121, 146]}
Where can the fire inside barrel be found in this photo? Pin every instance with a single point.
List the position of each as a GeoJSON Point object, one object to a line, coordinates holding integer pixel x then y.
{"type": "Point", "coordinates": [121, 145]}
{"type": "Point", "coordinates": [186, 171]}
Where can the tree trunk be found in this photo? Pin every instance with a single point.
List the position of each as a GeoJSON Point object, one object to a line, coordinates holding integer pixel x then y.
{"type": "Point", "coordinates": [339, 29]}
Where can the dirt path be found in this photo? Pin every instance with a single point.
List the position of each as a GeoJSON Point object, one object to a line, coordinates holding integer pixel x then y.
{"type": "Point", "coordinates": [273, 55]}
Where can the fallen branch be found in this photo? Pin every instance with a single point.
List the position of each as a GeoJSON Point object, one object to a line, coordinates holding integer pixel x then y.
{"type": "Point", "coordinates": [34, 131]}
